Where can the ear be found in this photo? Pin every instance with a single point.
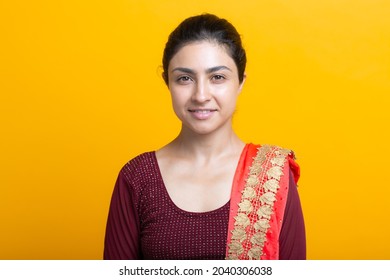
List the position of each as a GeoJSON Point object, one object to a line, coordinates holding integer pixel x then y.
{"type": "Point", "coordinates": [242, 83]}
{"type": "Point", "coordinates": [165, 79]}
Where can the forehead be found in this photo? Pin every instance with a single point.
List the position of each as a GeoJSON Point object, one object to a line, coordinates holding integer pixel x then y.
{"type": "Point", "coordinates": [202, 55]}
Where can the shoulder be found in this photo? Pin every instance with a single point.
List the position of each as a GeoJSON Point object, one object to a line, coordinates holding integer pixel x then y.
{"type": "Point", "coordinates": [279, 156]}
{"type": "Point", "coordinates": [141, 161]}
{"type": "Point", "coordinates": [135, 175]}
{"type": "Point", "coordinates": [272, 150]}
{"type": "Point", "coordinates": [136, 168]}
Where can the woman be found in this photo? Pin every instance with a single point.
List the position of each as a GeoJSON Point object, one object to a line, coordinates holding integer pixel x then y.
{"type": "Point", "coordinates": [206, 194]}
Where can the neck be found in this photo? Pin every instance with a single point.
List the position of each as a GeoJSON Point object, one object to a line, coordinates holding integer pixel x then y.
{"type": "Point", "coordinates": [205, 147]}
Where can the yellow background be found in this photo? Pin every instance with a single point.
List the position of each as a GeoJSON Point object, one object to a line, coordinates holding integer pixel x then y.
{"type": "Point", "coordinates": [81, 94]}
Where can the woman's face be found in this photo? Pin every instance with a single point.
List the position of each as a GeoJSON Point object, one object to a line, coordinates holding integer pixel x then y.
{"type": "Point", "coordinates": [204, 85]}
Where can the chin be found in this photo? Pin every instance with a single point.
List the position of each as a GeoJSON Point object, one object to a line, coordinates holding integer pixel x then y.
{"type": "Point", "coordinates": [204, 129]}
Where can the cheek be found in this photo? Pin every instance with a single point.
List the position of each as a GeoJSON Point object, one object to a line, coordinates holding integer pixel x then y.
{"type": "Point", "coordinates": [180, 95]}
{"type": "Point", "coordinates": [227, 96]}
{"type": "Point", "coordinates": [178, 102]}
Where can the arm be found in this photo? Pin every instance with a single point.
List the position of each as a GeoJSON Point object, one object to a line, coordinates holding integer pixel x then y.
{"type": "Point", "coordinates": [122, 231]}
{"type": "Point", "coordinates": [292, 236]}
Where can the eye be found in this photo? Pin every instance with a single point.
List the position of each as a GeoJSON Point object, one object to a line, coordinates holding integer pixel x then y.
{"type": "Point", "coordinates": [218, 78]}
{"type": "Point", "coordinates": [184, 79]}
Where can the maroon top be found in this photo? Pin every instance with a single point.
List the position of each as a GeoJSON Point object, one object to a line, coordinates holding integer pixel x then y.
{"type": "Point", "coordinates": [144, 223]}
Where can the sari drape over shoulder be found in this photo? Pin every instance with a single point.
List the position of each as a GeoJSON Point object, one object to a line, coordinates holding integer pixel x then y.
{"type": "Point", "coordinates": [258, 202]}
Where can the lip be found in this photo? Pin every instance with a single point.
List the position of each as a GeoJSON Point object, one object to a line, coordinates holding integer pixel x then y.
{"type": "Point", "coordinates": [202, 113]}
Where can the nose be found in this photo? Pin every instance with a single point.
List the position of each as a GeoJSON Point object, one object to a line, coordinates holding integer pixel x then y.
{"type": "Point", "coordinates": [201, 92]}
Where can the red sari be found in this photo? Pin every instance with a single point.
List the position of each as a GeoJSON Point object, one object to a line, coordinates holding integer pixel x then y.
{"type": "Point", "coordinates": [258, 202]}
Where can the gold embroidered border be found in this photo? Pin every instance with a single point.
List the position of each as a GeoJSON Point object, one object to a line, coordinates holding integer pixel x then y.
{"type": "Point", "coordinates": [256, 206]}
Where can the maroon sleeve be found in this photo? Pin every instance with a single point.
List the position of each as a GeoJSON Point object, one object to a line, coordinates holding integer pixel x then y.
{"type": "Point", "coordinates": [292, 239]}
{"type": "Point", "coordinates": [122, 231]}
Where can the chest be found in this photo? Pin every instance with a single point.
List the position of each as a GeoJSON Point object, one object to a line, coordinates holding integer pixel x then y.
{"type": "Point", "coordinates": [199, 188]}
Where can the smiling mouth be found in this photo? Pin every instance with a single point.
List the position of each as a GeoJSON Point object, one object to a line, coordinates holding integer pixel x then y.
{"type": "Point", "coordinates": [202, 114]}
{"type": "Point", "coordinates": [202, 111]}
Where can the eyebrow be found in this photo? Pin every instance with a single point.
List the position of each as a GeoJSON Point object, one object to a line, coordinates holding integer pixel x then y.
{"type": "Point", "coordinates": [208, 71]}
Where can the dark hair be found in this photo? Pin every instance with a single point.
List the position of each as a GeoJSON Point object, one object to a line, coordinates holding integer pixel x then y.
{"type": "Point", "coordinates": [205, 27]}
